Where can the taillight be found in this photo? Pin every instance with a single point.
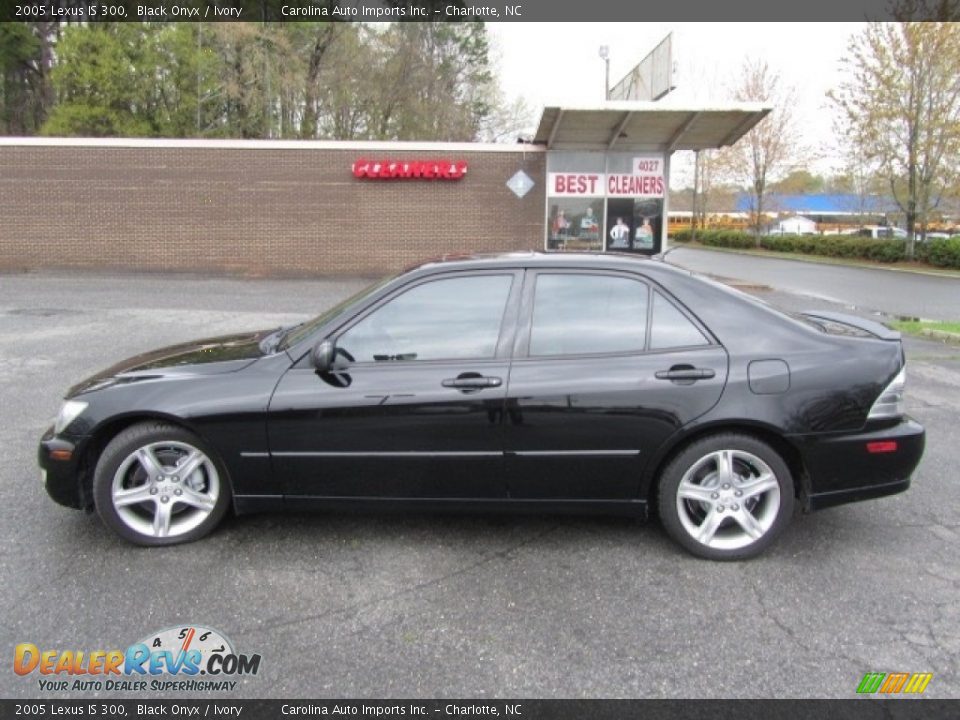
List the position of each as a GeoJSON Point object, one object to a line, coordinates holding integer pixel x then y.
{"type": "Point", "coordinates": [890, 403]}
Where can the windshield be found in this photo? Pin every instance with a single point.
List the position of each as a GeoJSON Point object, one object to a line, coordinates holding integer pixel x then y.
{"type": "Point", "coordinates": [299, 332]}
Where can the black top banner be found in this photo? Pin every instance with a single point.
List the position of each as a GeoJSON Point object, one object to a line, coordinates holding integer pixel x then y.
{"type": "Point", "coordinates": [470, 10]}
{"type": "Point", "coordinates": [514, 709]}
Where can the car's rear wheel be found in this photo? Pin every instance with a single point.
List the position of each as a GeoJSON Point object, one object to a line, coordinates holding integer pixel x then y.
{"type": "Point", "coordinates": [159, 484]}
{"type": "Point", "coordinates": [726, 497]}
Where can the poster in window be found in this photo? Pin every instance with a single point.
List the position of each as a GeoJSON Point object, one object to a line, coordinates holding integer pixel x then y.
{"type": "Point", "coordinates": [575, 224]}
{"type": "Point", "coordinates": [647, 225]}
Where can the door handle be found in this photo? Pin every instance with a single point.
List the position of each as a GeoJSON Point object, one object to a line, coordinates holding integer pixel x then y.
{"type": "Point", "coordinates": [472, 382]}
{"type": "Point", "coordinates": [685, 372]}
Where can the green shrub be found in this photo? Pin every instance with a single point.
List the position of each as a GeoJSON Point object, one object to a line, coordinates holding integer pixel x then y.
{"type": "Point", "coordinates": [887, 250]}
{"type": "Point", "coordinates": [726, 239]}
{"type": "Point", "coordinates": [942, 252]}
{"type": "Point", "coordinates": [789, 243]}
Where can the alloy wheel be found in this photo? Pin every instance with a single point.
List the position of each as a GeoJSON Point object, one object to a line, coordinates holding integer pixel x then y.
{"type": "Point", "coordinates": [165, 489]}
{"type": "Point", "coordinates": [728, 499]}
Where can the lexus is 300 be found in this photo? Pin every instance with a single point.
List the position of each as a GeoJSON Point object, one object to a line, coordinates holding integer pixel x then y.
{"type": "Point", "coordinates": [548, 382]}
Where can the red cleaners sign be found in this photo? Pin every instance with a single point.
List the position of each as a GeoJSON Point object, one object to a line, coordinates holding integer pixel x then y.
{"type": "Point", "coordinates": [409, 169]}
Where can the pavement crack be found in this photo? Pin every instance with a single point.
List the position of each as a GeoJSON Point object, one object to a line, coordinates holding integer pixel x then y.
{"type": "Point", "coordinates": [767, 613]}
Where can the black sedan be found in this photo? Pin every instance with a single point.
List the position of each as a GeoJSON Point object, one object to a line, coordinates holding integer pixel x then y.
{"type": "Point", "coordinates": [588, 383]}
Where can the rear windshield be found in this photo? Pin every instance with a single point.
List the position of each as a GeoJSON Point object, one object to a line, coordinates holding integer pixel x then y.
{"type": "Point", "coordinates": [830, 327]}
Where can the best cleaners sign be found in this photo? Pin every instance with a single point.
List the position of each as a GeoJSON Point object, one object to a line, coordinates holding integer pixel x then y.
{"type": "Point", "coordinates": [646, 181]}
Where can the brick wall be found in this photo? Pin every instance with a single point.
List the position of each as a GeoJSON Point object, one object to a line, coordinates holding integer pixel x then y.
{"type": "Point", "coordinates": [251, 210]}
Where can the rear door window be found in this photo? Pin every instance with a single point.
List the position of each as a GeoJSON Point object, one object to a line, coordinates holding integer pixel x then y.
{"type": "Point", "coordinates": [588, 314]}
{"type": "Point", "coordinates": [671, 328]}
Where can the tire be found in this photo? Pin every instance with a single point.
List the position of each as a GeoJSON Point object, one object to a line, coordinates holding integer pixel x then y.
{"type": "Point", "coordinates": [726, 497]}
{"type": "Point", "coordinates": [140, 493]}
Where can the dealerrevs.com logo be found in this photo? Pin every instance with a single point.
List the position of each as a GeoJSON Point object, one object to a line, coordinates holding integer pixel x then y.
{"type": "Point", "coordinates": [178, 659]}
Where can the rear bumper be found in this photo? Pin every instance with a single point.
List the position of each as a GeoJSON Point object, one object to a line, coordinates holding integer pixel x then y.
{"type": "Point", "coordinates": [820, 501]}
{"type": "Point", "coordinates": [843, 468]}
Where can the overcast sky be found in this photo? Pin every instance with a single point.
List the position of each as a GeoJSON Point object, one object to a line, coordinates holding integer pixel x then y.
{"type": "Point", "coordinates": [558, 63]}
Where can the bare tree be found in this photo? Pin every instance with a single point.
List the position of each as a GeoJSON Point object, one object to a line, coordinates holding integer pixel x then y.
{"type": "Point", "coordinates": [900, 108]}
{"type": "Point", "coordinates": [508, 121]}
{"type": "Point", "coordinates": [861, 180]}
{"type": "Point", "coordinates": [704, 177]}
{"type": "Point", "coordinates": [770, 147]}
{"type": "Point", "coordinates": [322, 38]}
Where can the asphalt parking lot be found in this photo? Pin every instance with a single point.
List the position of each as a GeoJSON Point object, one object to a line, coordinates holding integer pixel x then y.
{"type": "Point", "coordinates": [348, 605]}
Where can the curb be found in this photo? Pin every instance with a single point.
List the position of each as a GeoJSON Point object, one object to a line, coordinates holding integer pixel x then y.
{"type": "Point", "coordinates": [949, 337]}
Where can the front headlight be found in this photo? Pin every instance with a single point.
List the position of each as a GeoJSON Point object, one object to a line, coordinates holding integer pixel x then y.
{"type": "Point", "coordinates": [68, 413]}
{"type": "Point", "coordinates": [890, 404]}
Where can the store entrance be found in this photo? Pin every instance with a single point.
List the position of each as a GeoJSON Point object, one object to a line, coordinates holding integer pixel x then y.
{"type": "Point", "coordinates": [634, 225]}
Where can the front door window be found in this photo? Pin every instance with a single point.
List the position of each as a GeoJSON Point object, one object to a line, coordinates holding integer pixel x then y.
{"type": "Point", "coordinates": [449, 319]}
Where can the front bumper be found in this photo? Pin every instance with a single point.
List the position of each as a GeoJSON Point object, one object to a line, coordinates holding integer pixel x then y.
{"type": "Point", "coordinates": [59, 462]}
{"type": "Point", "coordinates": [843, 469]}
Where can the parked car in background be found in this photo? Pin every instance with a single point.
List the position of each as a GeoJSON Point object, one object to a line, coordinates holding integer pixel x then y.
{"type": "Point", "coordinates": [775, 232]}
{"type": "Point", "coordinates": [794, 225]}
{"type": "Point", "coordinates": [547, 382]}
{"type": "Point", "coordinates": [881, 232]}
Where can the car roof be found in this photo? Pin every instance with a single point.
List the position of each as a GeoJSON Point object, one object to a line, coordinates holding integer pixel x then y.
{"type": "Point", "coordinates": [538, 259]}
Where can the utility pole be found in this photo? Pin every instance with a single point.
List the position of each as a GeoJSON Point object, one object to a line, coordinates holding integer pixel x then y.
{"type": "Point", "coordinates": [696, 191]}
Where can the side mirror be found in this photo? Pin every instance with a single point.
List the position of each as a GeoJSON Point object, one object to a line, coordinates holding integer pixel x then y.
{"type": "Point", "coordinates": [323, 354]}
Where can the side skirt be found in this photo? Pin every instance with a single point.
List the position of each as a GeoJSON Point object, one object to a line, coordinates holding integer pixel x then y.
{"type": "Point", "coordinates": [305, 503]}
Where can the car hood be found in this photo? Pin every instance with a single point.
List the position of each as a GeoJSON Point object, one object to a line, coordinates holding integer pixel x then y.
{"type": "Point", "coordinates": [209, 356]}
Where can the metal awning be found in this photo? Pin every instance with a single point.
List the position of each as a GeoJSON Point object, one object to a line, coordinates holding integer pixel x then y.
{"type": "Point", "coordinates": [646, 126]}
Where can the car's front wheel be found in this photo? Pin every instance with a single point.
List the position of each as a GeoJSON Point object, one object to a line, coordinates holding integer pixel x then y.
{"type": "Point", "coordinates": [726, 497]}
{"type": "Point", "coordinates": [159, 484]}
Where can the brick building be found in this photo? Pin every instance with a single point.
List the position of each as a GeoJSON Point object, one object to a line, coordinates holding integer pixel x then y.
{"type": "Point", "coordinates": [592, 179]}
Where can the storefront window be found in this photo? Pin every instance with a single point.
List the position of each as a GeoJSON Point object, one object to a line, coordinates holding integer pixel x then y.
{"type": "Point", "coordinates": [575, 224]}
{"type": "Point", "coordinates": [647, 224]}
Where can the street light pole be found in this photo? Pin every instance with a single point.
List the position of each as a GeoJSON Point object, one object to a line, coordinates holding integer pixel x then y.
{"type": "Point", "coordinates": [605, 54]}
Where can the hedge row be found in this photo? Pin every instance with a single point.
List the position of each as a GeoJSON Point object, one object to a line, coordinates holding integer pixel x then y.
{"type": "Point", "coordinates": [843, 246]}
{"type": "Point", "coordinates": [941, 252]}
{"type": "Point", "coordinates": [718, 238]}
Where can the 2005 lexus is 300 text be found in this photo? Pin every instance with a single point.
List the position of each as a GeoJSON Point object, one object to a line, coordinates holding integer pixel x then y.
{"type": "Point", "coordinates": [579, 382]}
